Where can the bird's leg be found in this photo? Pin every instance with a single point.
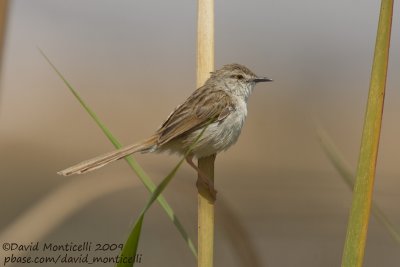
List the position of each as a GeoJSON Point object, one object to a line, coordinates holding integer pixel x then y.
{"type": "Point", "coordinates": [203, 180]}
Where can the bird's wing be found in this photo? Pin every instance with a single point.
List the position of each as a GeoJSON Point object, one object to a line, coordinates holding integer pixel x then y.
{"type": "Point", "coordinates": [203, 106]}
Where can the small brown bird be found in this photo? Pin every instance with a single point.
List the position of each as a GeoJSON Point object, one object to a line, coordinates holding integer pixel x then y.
{"type": "Point", "coordinates": [221, 100]}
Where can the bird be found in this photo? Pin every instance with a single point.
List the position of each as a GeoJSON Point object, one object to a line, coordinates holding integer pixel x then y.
{"type": "Point", "coordinates": [218, 108]}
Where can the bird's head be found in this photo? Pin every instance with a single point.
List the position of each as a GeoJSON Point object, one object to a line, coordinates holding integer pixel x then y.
{"type": "Point", "coordinates": [236, 79]}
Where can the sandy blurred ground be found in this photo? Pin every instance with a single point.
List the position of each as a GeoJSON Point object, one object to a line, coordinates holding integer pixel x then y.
{"type": "Point", "coordinates": [133, 62]}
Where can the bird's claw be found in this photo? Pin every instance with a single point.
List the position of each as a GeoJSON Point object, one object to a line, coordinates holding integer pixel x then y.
{"type": "Point", "coordinates": [206, 183]}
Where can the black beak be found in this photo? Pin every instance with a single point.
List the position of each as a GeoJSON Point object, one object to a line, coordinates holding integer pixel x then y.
{"type": "Point", "coordinates": [264, 79]}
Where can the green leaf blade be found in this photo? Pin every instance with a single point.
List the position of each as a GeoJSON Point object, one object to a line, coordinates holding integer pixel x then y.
{"type": "Point", "coordinates": [131, 245]}
{"type": "Point", "coordinates": [149, 184]}
{"type": "Point", "coordinates": [129, 251]}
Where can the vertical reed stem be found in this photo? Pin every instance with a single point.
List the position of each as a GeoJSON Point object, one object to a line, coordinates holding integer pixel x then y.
{"type": "Point", "coordinates": [205, 64]}
{"type": "Point", "coordinates": [364, 184]}
{"type": "Point", "coordinates": [206, 217]}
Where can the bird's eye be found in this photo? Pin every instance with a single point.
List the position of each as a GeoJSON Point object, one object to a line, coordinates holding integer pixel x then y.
{"type": "Point", "coordinates": [239, 76]}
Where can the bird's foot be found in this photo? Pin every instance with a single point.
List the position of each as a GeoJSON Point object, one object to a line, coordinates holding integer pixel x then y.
{"type": "Point", "coordinates": [207, 184]}
{"type": "Point", "coordinates": [203, 180]}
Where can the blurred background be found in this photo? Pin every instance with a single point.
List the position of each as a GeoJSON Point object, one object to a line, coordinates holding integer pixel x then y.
{"type": "Point", "coordinates": [134, 61]}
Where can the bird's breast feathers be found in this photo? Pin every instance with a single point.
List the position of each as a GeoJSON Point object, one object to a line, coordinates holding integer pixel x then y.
{"type": "Point", "coordinates": [222, 134]}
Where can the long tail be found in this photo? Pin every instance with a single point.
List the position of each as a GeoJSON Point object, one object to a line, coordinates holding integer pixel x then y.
{"type": "Point", "coordinates": [99, 161]}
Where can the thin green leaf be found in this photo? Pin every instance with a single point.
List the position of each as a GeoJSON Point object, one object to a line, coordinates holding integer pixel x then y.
{"type": "Point", "coordinates": [130, 248]}
{"type": "Point", "coordinates": [131, 161]}
{"type": "Point", "coordinates": [128, 254]}
{"type": "Point", "coordinates": [345, 172]}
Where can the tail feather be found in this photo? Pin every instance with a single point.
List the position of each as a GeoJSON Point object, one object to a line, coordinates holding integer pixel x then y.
{"type": "Point", "coordinates": [100, 161]}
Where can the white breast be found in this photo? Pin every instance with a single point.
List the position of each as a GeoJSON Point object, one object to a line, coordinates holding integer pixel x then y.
{"type": "Point", "coordinates": [221, 135]}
